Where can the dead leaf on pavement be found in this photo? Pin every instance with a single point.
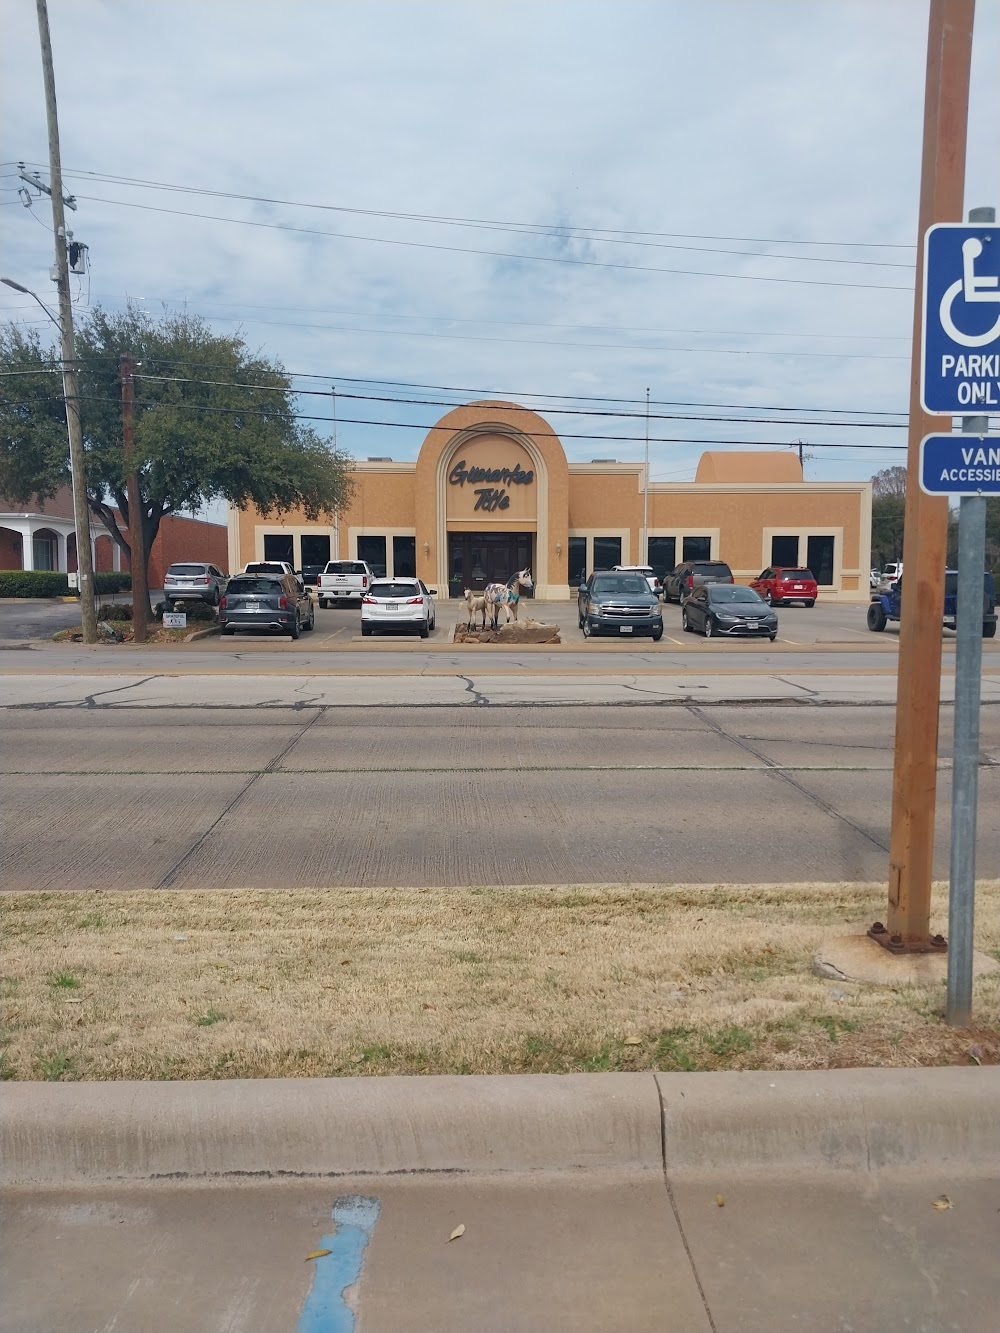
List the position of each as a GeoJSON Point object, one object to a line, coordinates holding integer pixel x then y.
{"type": "Point", "coordinates": [720, 1201]}
{"type": "Point", "coordinates": [459, 1231]}
{"type": "Point", "coordinates": [316, 1254]}
{"type": "Point", "coordinates": [942, 1202]}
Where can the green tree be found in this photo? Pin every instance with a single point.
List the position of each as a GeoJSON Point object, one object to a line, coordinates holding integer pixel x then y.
{"type": "Point", "coordinates": [212, 421]}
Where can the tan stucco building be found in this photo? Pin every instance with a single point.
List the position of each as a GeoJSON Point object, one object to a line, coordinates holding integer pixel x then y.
{"type": "Point", "coordinates": [492, 491]}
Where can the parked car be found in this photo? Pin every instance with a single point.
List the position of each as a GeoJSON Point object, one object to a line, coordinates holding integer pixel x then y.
{"type": "Point", "coordinates": [888, 605]}
{"type": "Point", "coordinates": [194, 581]}
{"type": "Point", "coordinates": [275, 602]}
{"type": "Point", "coordinates": [692, 574]}
{"type": "Point", "coordinates": [782, 583]}
{"type": "Point", "coordinates": [892, 573]}
{"type": "Point", "coordinates": [724, 608]}
{"type": "Point", "coordinates": [873, 578]}
{"type": "Point", "coordinates": [615, 602]}
{"type": "Point", "coordinates": [310, 574]}
{"type": "Point", "coordinates": [399, 604]}
{"type": "Point", "coordinates": [273, 567]}
{"type": "Point", "coordinates": [343, 581]}
{"type": "Point", "coordinates": [647, 573]}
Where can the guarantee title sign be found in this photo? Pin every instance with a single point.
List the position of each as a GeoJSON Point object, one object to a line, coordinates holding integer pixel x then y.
{"type": "Point", "coordinates": [491, 497]}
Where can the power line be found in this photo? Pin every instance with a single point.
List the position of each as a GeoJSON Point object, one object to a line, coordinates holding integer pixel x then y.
{"type": "Point", "coordinates": [493, 254]}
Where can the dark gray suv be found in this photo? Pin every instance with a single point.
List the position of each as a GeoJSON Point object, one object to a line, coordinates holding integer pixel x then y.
{"type": "Point", "coordinates": [619, 603]}
{"type": "Point", "coordinates": [693, 574]}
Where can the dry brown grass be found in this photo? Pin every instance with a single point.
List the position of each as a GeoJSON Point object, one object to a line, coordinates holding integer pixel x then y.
{"type": "Point", "coordinates": [361, 981]}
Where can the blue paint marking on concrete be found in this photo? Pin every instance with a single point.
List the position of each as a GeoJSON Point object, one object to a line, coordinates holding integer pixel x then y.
{"type": "Point", "coordinates": [326, 1310]}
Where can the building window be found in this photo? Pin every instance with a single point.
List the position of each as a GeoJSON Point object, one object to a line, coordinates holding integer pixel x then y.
{"type": "Point", "coordinates": [785, 551]}
{"type": "Point", "coordinates": [315, 549]}
{"type": "Point", "coordinates": [662, 555]}
{"type": "Point", "coordinates": [607, 552]}
{"type": "Point", "coordinates": [404, 557]}
{"type": "Point", "coordinates": [819, 556]}
{"type": "Point", "coordinates": [372, 551]}
{"type": "Point", "coordinates": [577, 561]}
{"type": "Point", "coordinates": [43, 550]}
{"type": "Point", "coordinates": [279, 546]}
{"type": "Point", "coordinates": [697, 548]}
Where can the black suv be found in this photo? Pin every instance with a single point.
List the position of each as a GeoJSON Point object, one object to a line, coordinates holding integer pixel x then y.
{"type": "Point", "coordinates": [692, 574]}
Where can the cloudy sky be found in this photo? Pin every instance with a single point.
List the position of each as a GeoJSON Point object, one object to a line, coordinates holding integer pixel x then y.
{"type": "Point", "coordinates": [562, 202]}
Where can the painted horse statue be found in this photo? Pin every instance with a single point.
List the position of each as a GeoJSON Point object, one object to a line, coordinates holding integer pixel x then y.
{"type": "Point", "coordinates": [505, 596]}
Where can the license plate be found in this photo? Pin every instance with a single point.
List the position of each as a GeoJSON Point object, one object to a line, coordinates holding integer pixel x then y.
{"type": "Point", "coordinates": [391, 606]}
{"type": "Point", "coordinates": [624, 629]}
{"type": "Point", "coordinates": [798, 587]}
{"type": "Point", "coordinates": [753, 624]}
{"type": "Point", "coordinates": [253, 606]}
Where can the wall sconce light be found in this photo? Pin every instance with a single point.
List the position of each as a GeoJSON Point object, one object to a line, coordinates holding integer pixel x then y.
{"type": "Point", "coordinates": [558, 548]}
{"type": "Point", "coordinates": [427, 548]}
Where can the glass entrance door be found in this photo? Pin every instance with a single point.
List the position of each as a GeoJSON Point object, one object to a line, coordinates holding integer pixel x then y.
{"type": "Point", "coordinates": [478, 558]}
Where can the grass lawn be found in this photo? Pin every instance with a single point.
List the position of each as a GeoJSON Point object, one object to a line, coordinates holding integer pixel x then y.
{"type": "Point", "coordinates": [259, 984]}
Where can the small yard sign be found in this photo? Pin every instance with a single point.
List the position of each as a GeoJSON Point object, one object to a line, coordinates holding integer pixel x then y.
{"type": "Point", "coordinates": [175, 620]}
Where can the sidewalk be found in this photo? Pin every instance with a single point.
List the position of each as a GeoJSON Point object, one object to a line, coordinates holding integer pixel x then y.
{"type": "Point", "coordinates": [674, 1202]}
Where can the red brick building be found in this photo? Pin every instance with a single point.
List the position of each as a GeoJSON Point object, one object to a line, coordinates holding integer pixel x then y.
{"type": "Point", "coordinates": [44, 537]}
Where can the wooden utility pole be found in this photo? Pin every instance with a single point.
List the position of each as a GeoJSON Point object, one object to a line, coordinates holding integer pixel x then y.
{"type": "Point", "coordinates": [71, 392]}
{"type": "Point", "coordinates": [136, 540]}
{"type": "Point", "coordinates": [925, 541]}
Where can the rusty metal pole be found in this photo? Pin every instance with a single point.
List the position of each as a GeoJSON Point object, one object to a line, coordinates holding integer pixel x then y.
{"type": "Point", "coordinates": [942, 186]}
{"type": "Point", "coordinates": [137, 553]}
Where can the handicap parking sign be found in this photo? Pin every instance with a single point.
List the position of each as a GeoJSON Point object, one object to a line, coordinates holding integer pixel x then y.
{"type": "Point", "coordinates": [960, 363]}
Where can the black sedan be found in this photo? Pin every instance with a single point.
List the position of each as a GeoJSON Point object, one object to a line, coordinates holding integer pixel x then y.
{"type": "Point", "coordinates": [620, 604]}
{"type": "Point", "coordinates": [728, 609]}
{"type": "Point", "coordinates": [269, 602]}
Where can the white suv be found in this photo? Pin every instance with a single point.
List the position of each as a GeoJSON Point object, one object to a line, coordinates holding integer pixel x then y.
{"type": "Point", "coordinates": [398, 604]}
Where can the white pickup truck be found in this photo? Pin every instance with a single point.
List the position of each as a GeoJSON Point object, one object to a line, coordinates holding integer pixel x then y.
{"type": "Point", "coordinates": [343, 581]}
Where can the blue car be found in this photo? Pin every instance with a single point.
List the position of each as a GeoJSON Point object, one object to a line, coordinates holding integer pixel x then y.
{"type": "Point", "coordinates": [887, 605]}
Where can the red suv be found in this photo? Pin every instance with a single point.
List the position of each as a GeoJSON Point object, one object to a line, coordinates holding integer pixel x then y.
{"type": "Point", "coordinates": [785, 584]}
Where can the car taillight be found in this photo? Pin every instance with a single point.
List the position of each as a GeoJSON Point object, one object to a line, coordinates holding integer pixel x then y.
{"type": "Point", "coordinates": [203, 580]}
{"type": "Point", "coordinates": [364, 580]}
{"type": "Point", "coordinates": [222, 603]}
{"type": "Point", "coordinates": [414, 601]}
{"type": "Point", "coordinates": [282, 603]}
{"type": "Point", "coordinates": [690, 580]}
{"type": "Point", "coordinates": [730, 579]}
{"type": "Point", "coordinates": [369, 601]}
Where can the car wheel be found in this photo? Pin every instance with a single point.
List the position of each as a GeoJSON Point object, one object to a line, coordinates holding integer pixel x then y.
{"type": "Point", "coordinates": [579, 617]}
{"type": "Point", "coordinates": [990, 629]}
{"type": "Point", "coordinates": [773, 636]}
{"type": "Point", "coordinates": [434, 623]}
{"type": "Point", "coordinates": [424, 629]}
{"type": "Point", "coordinates": [311, 622]}
{"type": "Point", "coordinates": [215, 598]}
{"type": "Point", "coordinates": [876, 617]}
{"type": "Point", "coordinates": [768, 598]}
{"type": "Point", "coordinates": [709, 629]}
{"type": "Point", "coordinates": [323, 603]}
{"type": "Point", "coordinates": [588, 630]}
{"type": "Point", "coordinates": [685, 623]}
{"type": "Point", "coordinates": [366, 630]}
{"type": "Point", "coordinates": [657, 634]}
{"type": "Point", "coordinates": [228, 629]}
{"type": "Point", "coordinates": [296, 627]}
{"type": "Point", "coordinates": [810, 601]}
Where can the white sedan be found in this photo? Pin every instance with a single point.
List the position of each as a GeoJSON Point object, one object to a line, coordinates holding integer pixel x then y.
{"type": "Point", "coordinates": [398, 604]}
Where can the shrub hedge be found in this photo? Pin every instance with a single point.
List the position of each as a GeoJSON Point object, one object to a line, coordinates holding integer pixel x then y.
{"type": "Point", "coordinates": [113, 580]}
{"type": "Point", "coordinates": [32, 583]}
{"type": "Point", "coordinates": [193, 610]}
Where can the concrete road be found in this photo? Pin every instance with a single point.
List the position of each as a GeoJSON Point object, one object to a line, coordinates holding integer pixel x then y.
{"type": "Point", "coordinates": [271, 796]}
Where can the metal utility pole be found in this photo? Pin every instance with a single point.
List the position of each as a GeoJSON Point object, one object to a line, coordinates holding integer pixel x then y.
{"type": "Point", "coordinates": [946, 112]}
{"type": "Point", "coordinates": [965, 750]}
{"type": "Point", "coordinates": [81, 514]}
{"type": "Point", "coordinates": [645, 493]}
{"type": "Point", "coordinates": [136, 538]}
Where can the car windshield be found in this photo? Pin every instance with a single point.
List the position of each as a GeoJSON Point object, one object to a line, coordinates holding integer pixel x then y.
{"type": "Point", "coordinates": [243, 587]}
{"type": "Point", "coordinates": [620, 583]}
{"type": "Point", "coordinates": [180, 571]}
{"type": "Point", "coordinates": [393, 591]}
{"type": "Point", "coordinates": [795, 575]}
{"type": "Point", "coordinates": [345, 567]}
{"type": "Point", "coordinates": [732, 592]}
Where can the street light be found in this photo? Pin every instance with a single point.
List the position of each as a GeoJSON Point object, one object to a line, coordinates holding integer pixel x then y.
{"type": "Point", "coordinates": [81, 514]}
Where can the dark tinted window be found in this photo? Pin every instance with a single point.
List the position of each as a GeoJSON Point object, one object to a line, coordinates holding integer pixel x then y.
{"type": "Point", "coordinates": [795, 575]}
{"type": "Point", "coordinates": [697, 548]}
{"type": "Point", "coordinates": [243, 587]}
{"type": "Point", "coordinates": [373, 551]}
{"type": "Point", "coordinates": [820, 557]}
{"type": "Point", "coordinates": [607, 552]}
{"type": "Point", "coordinates": [714, 568]}
{"type": "Point", "coordinates": [345, 567]}
{"type": "Point", "coordinates": [662, 555]}
{"type": "Point", "coordinates": [264, 567]}
{"type": "Point", "coordinates": [279, 546]}
{"type": "Point", "coordinates": [182, 570]}
{"type": "Point", "coordinates": [404, 556]}
{"type": "Point", "coordinates": [577, 558]}
{"type": "Point", "coordinates": [393, 591]}
{"type": "Point", "coordinates": [733, 592]}
{"type": "Point", "coordinates": [785, 550]}
{"type": "Point", "coordinates": [315, 549]}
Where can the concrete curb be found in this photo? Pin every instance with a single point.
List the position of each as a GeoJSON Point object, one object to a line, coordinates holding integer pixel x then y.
{"type": "Point", "coordinates": [724, 1123]}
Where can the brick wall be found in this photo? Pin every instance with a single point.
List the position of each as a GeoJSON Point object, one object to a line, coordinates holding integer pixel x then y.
{"type": "Point", "coordinates": [187, 539]}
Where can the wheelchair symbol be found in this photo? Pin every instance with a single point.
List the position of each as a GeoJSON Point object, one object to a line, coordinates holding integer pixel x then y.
{"type": "Point", "coordinates": [973, 290]}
